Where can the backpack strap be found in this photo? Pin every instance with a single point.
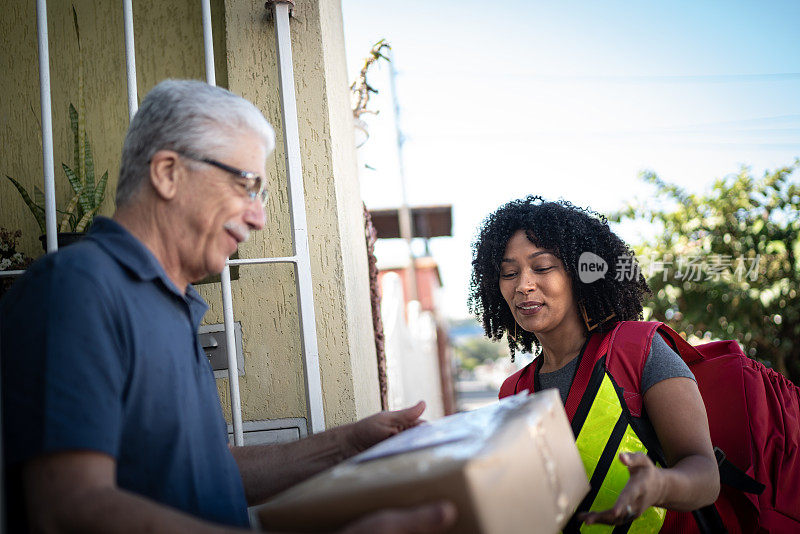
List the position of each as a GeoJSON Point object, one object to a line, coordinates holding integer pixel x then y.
{"type": "Point", "coordinates": [687, 352]}
{"type": "Point", "coordinates": [630, 344]}
{"type": "Point", "coordinates": [734, 477]}
{"type": "Point", "coordinates": [595, 349]}
{"type": "Point", "coordinates": [629, 347]}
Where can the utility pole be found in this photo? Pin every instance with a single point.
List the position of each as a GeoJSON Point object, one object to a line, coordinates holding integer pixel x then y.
{"type": "Point", "coordinates": [404, 212]}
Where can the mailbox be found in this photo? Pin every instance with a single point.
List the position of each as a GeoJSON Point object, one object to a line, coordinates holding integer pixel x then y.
{"type": "Point", "coordinates": [212, 339]}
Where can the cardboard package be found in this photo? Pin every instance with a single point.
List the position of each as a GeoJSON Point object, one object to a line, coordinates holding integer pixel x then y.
{"type": "Point", "coordinates": [508, 467]}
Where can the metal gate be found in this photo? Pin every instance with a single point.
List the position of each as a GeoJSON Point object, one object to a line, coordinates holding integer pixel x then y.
{"type": "Point", "coordinates": [281, 13]}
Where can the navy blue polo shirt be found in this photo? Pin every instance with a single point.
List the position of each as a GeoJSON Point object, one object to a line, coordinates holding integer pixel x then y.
{"type": "Point", "coordinates": [100, 352]}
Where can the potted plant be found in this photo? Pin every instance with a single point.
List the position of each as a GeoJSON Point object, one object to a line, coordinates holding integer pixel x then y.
{"type": "Point", "coordinates": [87, 193]}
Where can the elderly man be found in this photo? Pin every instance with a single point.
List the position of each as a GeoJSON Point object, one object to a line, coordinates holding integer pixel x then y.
{"type": "Point", "coordinates": [112, 421]}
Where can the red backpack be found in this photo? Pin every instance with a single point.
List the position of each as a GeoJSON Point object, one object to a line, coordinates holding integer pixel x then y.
{"type": "Point", "coordinates": [753, 415]}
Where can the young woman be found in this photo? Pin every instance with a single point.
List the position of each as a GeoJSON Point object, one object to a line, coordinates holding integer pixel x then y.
{"type": "Point", "coordinates": [538, 278]}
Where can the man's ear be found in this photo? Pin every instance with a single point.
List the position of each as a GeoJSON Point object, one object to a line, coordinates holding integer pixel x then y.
{"type": "Point", "coordinates": [165, 173]}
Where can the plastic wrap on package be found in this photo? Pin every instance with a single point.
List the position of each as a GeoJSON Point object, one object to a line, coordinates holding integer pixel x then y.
{"type": "Point", "coordinates": [509, 467]}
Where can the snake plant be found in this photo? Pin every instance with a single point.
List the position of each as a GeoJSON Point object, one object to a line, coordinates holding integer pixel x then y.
{"type": "Point", "coordinates": [87, 193]}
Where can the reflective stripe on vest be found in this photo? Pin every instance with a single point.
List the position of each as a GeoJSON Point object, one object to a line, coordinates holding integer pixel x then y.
{"type": "Point", "coordinates": [604, 434]}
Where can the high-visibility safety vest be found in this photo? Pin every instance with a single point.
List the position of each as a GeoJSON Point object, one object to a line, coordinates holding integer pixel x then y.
{"type": "Point", "coordinates": [604, 423]}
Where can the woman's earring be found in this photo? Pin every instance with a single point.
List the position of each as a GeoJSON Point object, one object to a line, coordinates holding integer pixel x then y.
{"type": "Point", "coordinates": [513, 340]}
{"type": "Point", "coordinates": [590, 324]}
{"type": "Point", "coordinates": [514, 337]}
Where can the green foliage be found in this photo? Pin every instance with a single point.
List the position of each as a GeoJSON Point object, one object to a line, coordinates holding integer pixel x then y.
{"type": "Point", "coordinates": [478, 350]}
{"type": "Point", "coordinates": [36, 206]}
{"type": "Point", "coordinates": [725, 264]}
{"type": "Point", "coordinates": [87, 193]}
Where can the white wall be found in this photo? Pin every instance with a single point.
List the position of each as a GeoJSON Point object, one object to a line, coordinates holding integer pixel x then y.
{"type": "Point", "coordinates": [412, 364]}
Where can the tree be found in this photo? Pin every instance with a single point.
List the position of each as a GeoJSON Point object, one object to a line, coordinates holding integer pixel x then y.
{"type": "Point", "coordinates": [725, 264]}
{"type": "Point", "coordinates": [478, 350]}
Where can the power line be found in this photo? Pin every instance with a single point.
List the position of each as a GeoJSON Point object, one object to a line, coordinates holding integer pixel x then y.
{"type": "Point", "coordinates": [609, 79]}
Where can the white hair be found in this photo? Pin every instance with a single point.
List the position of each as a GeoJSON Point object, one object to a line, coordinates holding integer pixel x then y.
{"type": "Point", "coordinates": [185, 116]}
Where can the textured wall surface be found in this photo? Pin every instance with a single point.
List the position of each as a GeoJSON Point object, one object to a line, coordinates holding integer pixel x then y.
{"type": "Point", "coordinates": [273, 385]}
{"type": "Point", "coordinates": [168, 37]}
{"type": "Point", "coordinates": [20, 134]}
{"type": "Point", "coordinates": [350, 212]}
{"type": "Point", "coordinates": [164, 49]}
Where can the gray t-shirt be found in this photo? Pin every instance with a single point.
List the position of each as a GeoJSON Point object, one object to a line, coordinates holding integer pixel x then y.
{"type": "Point", "coordinates": [662, 363]}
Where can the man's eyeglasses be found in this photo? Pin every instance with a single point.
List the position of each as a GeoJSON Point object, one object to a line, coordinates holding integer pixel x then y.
{"type": "Point", "coordinates": [254, 184]}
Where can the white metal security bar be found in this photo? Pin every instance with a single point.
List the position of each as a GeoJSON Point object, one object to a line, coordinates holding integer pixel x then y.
{"type": "Point", "coordinates": [225, 275]}
{"type": "Point", "coordinates": [130, 58]}
{"type": "Point", "coordinates": [301, 256]}
{"type": "Point", "coordinates": [47, 127]}
{"type": "Point", "coordinates": [291, 137]}
{"type": "Point", "coordinates": [233, 367]}
{"type": "Point", "coordinates": [208, 44]}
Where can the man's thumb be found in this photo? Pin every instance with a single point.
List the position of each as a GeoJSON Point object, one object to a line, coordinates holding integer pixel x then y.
{"type": "Point", "coordinates": [412, 413]}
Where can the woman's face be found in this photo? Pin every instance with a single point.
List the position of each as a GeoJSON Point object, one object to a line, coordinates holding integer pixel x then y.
{"type": "Point", "coordinates": [536, 287]}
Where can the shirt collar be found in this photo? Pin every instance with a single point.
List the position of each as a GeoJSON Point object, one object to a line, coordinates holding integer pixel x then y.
{"type": "Point", "coordinates": [137, 258]}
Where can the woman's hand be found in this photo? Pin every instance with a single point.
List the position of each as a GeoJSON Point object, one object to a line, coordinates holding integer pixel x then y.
{"type": "Point", "coordinates": [691, 479]}
{"type": "Point", "coordinates": [644, 489]}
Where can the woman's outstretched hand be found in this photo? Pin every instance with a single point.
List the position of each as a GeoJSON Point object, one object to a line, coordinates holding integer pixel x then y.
{"type": "Point", "coordinates": [644, 489]}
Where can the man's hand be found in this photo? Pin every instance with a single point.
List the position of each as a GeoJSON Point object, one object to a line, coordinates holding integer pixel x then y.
{"type": "Point", "coordinates": [428, 519]}
{"type": "Point", "coordinates": [76, 491]}
{"type": "Point", "coordinates": [269, 469]}
{"type": "Point", "coordinates": [367, 432]}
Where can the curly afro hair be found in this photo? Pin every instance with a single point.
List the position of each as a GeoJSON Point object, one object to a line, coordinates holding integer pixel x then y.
{"type": "Point", "coordinates": [567, 231]}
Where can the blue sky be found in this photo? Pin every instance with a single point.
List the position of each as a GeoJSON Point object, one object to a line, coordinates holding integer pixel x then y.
{"type": "Point", "coordinates": [570, 99]}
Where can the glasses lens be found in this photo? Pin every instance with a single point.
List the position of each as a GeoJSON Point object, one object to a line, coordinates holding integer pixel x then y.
{"type": "Point", "coordinates": [260, 190]}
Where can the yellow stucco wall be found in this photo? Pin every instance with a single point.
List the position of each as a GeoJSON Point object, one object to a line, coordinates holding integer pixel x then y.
{"type": "Point", "coordinates": [177, 53]}
{"type": "Point", "coordinates": [349, 211]}
{"type": "Point", "coordinates": [273, 369]}
{"type": "Point", "coordinates": [169, 44]}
